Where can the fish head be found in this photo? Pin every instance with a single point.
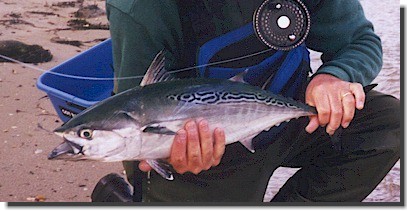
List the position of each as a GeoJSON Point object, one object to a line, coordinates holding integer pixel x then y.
{"type": "Point", "coordinates": [109, 139]}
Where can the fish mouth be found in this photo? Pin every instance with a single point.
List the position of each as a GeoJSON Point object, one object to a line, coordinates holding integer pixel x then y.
{"type": "Point", "coordinates": [66, 150]}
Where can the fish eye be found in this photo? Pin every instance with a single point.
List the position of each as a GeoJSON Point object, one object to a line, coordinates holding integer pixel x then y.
{"type": "Point", "coordinates": [85, 133]}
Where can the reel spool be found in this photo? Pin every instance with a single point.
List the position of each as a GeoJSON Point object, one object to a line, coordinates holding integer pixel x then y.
{"type": "Point", "coordinates": [282, 24]}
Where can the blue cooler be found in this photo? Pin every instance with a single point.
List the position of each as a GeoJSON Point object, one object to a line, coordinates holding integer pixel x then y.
{"type": "Point", "coordinates": [70, 96]}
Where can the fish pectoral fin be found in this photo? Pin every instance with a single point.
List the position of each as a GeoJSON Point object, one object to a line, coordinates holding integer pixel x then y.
{"type": "Point", "coordinates": [162, 168]}
{"type": "Point", "coordinates": [248, 144]}
{"type": "Point", "coordinates": [158, 130]}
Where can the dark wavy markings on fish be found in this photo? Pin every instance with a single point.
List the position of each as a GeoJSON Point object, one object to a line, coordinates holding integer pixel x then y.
{"type": "Point", "coordinates": [207, 98]}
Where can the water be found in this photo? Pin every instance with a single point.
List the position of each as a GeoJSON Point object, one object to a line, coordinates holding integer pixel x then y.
{"type": "Point", "coordinates": [385, 16]}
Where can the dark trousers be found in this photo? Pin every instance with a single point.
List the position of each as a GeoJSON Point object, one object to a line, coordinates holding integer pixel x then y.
{"type": "Point", "coordinates": [363, 155]}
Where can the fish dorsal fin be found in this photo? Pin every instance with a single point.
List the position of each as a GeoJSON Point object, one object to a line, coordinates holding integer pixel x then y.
{"type": "Point", "coordinates": [368, 88]}
{"type": "Point", "coordinates": [156, 72]}
{"type": "Point", "coordinates": [239, 77]}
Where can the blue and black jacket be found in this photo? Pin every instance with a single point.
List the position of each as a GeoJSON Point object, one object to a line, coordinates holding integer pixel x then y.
{"type": "Point", "coordinates": [280, 72]}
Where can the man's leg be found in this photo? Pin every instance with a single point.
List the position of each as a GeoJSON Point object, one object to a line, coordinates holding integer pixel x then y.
{"type": "Point", "coordinates": [368, 149]}
{"type": "Point", "coordinates": [239, 178]}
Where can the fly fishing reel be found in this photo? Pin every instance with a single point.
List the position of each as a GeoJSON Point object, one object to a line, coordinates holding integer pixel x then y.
{"type": "Point", "coordinates": [282, 24]}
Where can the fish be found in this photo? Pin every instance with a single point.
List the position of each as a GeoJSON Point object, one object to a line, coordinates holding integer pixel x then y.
{"type": "Point", "coordinates": [140, 123]}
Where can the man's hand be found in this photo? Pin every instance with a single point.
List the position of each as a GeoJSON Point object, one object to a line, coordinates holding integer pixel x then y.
{"type": "Point", "coordinates": [335, 101]}
{"type": "Point", "coordinates": [195, 148]}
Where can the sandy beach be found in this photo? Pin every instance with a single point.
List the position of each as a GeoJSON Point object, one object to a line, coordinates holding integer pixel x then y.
{"type": "Point", "coordinates": [27, 117]}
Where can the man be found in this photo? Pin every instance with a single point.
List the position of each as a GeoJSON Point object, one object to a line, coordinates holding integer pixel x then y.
{"type": "Point", "coordinates": [343, 152]}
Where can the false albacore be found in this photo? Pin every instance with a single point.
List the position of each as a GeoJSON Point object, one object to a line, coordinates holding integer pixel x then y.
{"type": "Point", "coordinates": [140, 124]}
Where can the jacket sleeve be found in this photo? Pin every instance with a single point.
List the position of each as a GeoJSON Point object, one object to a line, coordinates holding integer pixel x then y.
{"type": "Point", "coordinates": [139, 30]}
{"type": "Point", "coordinates": [350, 49]}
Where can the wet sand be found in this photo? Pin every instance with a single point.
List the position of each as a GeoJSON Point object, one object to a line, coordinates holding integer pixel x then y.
{"type": "Point", "coordinates": [27, 116]}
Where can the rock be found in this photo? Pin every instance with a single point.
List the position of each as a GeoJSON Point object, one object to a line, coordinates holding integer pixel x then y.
{"type": "Point", "coordinates": [90, 11]}
{"type": "Point", "coordinates": [23, 52]}
{"type": "Point", "coordinates": [40, 198]}
{"type": "Point", "coordinates": [38, 151]}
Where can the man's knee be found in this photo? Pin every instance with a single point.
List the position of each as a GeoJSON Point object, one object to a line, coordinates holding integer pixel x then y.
{"type": "Point", "coordinates": [385, 108]}
{"type": "Point", "coordinates": [377, 126]}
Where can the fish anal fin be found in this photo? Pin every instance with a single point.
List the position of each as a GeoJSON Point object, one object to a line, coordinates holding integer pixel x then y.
{"type": "Point", "coordinates": [248, 144]}
{"type": "Point", "coordinates": [162, 168]}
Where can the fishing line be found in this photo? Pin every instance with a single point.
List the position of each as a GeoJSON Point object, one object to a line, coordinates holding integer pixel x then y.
{"type": "Point", "coordinates": [49, 72]}
{"type": "Point", "coordinates": [130, 77]}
